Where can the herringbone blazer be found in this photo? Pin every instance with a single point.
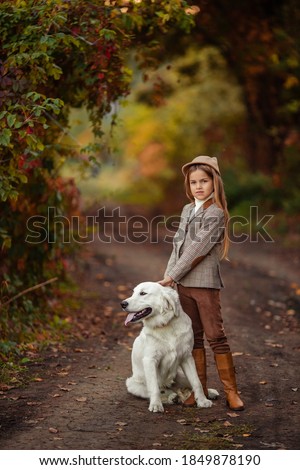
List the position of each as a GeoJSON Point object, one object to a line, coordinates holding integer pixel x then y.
{"type": "Point", "coordinates": [195, 259]}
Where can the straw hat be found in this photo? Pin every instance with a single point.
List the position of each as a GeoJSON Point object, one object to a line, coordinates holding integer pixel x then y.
{"type": "Point", "coordinates": [204, 160]}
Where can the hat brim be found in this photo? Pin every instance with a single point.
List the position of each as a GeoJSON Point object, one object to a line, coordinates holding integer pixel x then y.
{"type": "Point", "coordinates": [185, 167]}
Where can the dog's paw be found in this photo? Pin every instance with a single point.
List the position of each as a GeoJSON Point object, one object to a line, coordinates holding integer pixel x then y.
{"type": "Point", "coordinates": [213, 394]}
{"type": "Point", "coordinates": [204, 403]}
{"type": "Point", "coordinates": [156, 407]}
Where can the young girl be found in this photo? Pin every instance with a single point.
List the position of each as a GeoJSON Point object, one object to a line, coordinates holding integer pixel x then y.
{"type": "Point", "coordinates": [199, 244]}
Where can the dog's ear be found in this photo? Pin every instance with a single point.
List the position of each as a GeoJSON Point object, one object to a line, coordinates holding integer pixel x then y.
{"type": "Point", "coordinates": [170, 300]}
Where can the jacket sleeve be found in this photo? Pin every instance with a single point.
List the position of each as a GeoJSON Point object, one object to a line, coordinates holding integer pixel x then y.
{"type": "Point", "coordinates": [171, 262]}
{"type": "Point", "coordinates": [172, 259]}
{"type": "Point", "coordinates": [208, 235]}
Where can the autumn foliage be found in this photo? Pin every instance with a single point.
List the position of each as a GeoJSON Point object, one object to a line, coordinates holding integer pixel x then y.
{"type": "Point", "coordinates": [54, 55]}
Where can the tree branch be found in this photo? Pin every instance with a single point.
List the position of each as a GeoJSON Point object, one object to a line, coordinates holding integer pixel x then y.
{"type": "Point", "coordinates": [30, 289]}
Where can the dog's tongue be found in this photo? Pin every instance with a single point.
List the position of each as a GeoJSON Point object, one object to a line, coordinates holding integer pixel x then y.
{"type": "Point", "coordinates": [129, 318]}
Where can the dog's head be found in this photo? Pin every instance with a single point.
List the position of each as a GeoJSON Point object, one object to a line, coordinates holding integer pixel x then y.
{"type": "Point", "coordinates": [152, 304]}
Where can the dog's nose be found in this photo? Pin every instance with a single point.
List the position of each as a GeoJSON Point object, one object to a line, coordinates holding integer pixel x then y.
{"type": "Point", "coordinates": [124, 304]}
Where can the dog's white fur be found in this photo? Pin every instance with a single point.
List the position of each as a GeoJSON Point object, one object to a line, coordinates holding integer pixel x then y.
{"type": "Point", "coordinates": [162, 353]}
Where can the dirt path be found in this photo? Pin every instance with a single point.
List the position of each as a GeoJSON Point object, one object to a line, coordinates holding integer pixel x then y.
{"type": "Point", "coordinates": [80, 400]}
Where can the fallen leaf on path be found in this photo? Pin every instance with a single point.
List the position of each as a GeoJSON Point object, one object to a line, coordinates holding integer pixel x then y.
{"type": "Point", "coordinates": [38, 379]}
{"type": "Point", "coordinates": [72, 383]}
{"type": "Point", "coordinates": [124, 345]}
{"type": "Point", "coordinates": [65, 389]}
{"type": "Point", "coordinates": [291, 312]}
{"type": "Point", "coordinates": [81, 399]}
{"type": "Point", "coordinates": [122, 288]}
{"type": "Point", "coordinates": [263, 382]}
{"type": "Point", "coordinates": [233, 415]}
{"type": "Point", "coordinates": [156, 444]}
{"type": "Point", "coordinates": [227, 424]}
{"type": "Point", "coordinates": [272, 444]}
{"type": "Point", "coordinates": [276, 304]}
{"type": "Point", "coordinates": [56, 395]}
{"type": "Point", "coordinates": [246, 435]}
{"type": "Point", "coordinates": [267, 314]}
{"type": "Point", "coordinates": [120, 423]}
{"type": "Point", "coordinates": [169, 435]}
{"type": "Point", "coordinates": [295, 389]}
{"type": "Point", "coordinates": [53, 430]}
{"type": "Point", "coordinates": [274, 364]}
{"type": "Point", "coordinates": [269, 342]}
{"type": "Point", "coordinates": [237, 354]}
{"type": "Point", "coordinates": [181, 421]}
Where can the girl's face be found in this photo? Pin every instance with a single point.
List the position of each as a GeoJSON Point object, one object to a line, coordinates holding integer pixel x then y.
{"type": "Point", "coordinates": [201, 184]}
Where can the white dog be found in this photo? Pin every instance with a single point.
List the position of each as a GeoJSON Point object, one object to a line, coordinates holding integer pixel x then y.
{"type": "Point", "coordinates": [162, 353]}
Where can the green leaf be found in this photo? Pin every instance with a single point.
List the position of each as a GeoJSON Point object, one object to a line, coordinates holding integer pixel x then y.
{"type": "Point", "coordinates": [25, 360]}
{"type": "Point", "coordinates": [18, 124]}
{"type": "Point", "coordinates": [40, 146]}
{"type": "Point", "coordinates": [11, 119]}
{"type": "Point", "coordinates": [5, 136]}
{"type": "Point", "coordinates": [2, 114]}
{"type": "Point", "coordinates": [6, 244]}
{"type": "Point", "coordinates": [108, 34]}
{"type": "Point", "coordinates": [23, 178]}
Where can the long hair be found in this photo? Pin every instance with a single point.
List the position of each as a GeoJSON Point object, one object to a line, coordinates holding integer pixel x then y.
{"type": "Point", "coordinates": [219, 198]}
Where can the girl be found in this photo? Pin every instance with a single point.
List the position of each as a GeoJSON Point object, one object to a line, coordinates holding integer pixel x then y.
{"type": "Point", "coordinates": [199, 244]}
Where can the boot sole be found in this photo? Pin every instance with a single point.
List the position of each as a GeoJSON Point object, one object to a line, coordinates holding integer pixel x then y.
{"type": "Point", "coordinates": [239, 408]}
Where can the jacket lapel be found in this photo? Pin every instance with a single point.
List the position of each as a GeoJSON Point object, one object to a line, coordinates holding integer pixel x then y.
{"type": "Point", "coordinates": [190, 216]}
{"type": "Point", "coordinates": [193, 214]}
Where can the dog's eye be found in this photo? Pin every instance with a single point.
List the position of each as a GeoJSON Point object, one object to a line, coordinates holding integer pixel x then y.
{"type": "Point", "coordinates": [143, 293]}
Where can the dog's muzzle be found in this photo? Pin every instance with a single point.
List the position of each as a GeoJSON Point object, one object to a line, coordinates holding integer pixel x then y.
{"type": "Point", "coordinates": [133, 317]}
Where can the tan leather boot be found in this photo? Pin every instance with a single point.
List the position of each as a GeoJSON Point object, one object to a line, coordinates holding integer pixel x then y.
{"type": "Point", "coordinates": [199, 356]}
{"type": "Point", "coordinates": [226, 372]}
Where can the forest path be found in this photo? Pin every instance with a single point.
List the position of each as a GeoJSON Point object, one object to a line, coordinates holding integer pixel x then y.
{"type": "Point", "coordinates": [80, 399]}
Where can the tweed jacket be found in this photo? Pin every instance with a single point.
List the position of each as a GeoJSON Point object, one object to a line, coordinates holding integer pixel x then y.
{"type": "Point", "coordinates": [195, 259]}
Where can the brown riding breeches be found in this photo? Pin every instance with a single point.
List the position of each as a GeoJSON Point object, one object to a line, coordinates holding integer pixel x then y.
{"type": "Point", "coordinates": [203, 307]}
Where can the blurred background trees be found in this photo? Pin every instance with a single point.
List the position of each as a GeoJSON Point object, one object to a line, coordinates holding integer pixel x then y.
{"type": "Point", "coordinates": [229, 88]}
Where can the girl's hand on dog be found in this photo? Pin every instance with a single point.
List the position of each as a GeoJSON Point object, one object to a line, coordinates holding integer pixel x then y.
{"type": "Point", "coordinates": [167, 282]}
